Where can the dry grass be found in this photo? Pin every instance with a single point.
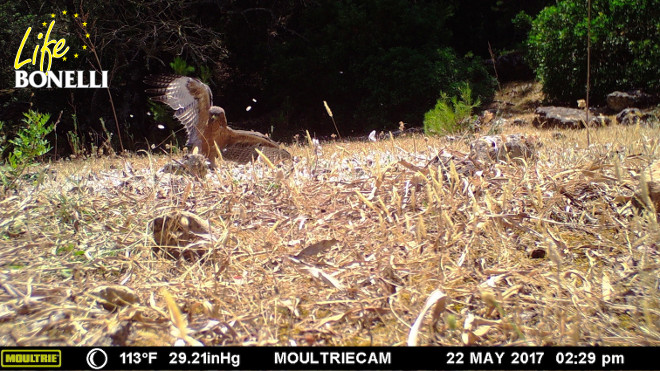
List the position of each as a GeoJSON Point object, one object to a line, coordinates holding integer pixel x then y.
{"type": "Point", "coordinates": [542, 254]}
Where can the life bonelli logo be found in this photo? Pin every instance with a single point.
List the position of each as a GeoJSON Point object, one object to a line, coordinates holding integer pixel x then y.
{"type": "Point", "coordinates": [40, 46]}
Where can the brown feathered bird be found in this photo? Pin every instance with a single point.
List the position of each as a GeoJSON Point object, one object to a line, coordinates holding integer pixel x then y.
{"type": "Point", "coordinates": [206, 124]}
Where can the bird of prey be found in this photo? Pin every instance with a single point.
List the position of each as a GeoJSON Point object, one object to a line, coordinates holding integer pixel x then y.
{"type": "Point", "coordinates": [206, 124]}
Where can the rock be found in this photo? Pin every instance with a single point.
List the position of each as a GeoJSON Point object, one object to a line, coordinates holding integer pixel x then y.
{"type": "Point", "coordinates": [634, 116]}
{"type": "Point", "coordinates": [629, 116]}
{"type": "Point", "coordinates": [619, 100]}
{"type": "Point", "coordinates": [568, 118]}
{"type": "Point", "coordinates": [181, 233]}
{"type": "Point", "coordinates": [504, 147]}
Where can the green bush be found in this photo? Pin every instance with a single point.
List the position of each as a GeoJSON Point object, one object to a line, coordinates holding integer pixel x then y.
{"type": "Point", "coordinates": [29, 144]}
{"type": "Point", "coordinates": [30, 141]}
{"type": "Point", "coordinates": [624, 47]}
{"type": "Point", "coordinates": [451, 115]}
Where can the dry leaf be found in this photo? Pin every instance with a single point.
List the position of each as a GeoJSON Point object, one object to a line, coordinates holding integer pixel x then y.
{"type": "Point", "coordinates": [335, 318]}
{"type": "Point", "coordinates": [585, 284]}
{"type": "Point", "coordinates": [607, 287]}
{"type": "Point", "coordinates": [467, 336]}
{"type": "Point", "coordinates": [437, 297]}
{"type": "Point", "coordinates": [178, 320]}
{"type": "Point", "coordinates": [316, 248]}
{"type": "Point", "coordinates": [474, 328]}
{"type": "Point", "coordinates": [478, 322]}
{"type": "Point", "coordinates": [175, 313]}
{"type": "Point", "coordinates": [328, 279]}
{"type": "Point", "coordinates": [291, 306]}
{"type": "Point", "coordinates": [114, 296]}
{"type": "Point", "coordinates": [481, 331]}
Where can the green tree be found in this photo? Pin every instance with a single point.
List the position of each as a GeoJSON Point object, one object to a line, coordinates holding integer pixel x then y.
{"type": "Point", "coordinates": [625, 51]}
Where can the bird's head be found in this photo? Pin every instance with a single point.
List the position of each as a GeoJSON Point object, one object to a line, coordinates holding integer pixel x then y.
{"type": "Point", "coordinates": [217, 115]}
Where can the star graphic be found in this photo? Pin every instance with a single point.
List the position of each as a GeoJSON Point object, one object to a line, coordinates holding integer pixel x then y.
{"type": "Point", "coordinates": [64, 12]}
{"type": "Point", "coordinates": [52, 15]}
{"type": "Point", "coordinates": [44, 24]}
{"type": "Point", "coordinates": [87, 36]}
{"type": "Point", "coordinates": [75, 15]}
{"type": "Point", "coordinates": [84, 47]}
{"type": "Point", "coordinates": [75, 55]}
{"type": "Point", "coordinates": [84, 24]}
{"type": "Point", "coordinates": [64, 59]}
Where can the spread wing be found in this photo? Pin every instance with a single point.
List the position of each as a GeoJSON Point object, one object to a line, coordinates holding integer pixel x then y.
{"type": "Point", "coordinates": [247, 138]}
{"type": "Point", "coordinates": [244, 155]}
{"type": "Point", "coordinates": [189, 97]}
{"type": "Point", "coordinates": [242, 144]}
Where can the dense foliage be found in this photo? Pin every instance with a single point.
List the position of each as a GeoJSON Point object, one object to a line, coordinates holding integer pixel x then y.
{"type": "Point", "coordinates": [477, 23]}
{"type": "Point", "coordinates": [625, 53]}
{"type": "Point", "coordinates": [377, 62]}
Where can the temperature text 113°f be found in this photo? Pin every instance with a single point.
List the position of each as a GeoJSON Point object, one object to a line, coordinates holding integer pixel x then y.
{"type": "Point", "coordinates": [135, 358]}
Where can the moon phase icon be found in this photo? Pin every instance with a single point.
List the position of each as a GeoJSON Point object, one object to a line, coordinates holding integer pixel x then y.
{"type": "Point", "coordinates": [90, 358]}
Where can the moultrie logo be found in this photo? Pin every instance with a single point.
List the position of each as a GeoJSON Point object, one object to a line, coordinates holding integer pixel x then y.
{"type": "Point", "coordinates": [39, 47]}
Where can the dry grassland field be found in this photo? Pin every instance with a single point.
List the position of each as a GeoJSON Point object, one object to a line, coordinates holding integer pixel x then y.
{"type": "Point", "coordinates": [391, 242]}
